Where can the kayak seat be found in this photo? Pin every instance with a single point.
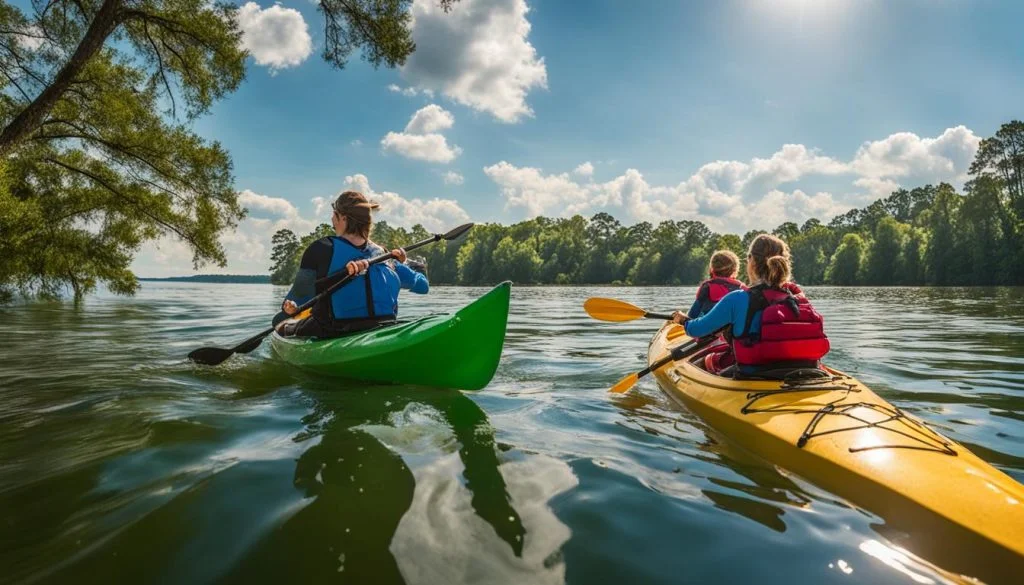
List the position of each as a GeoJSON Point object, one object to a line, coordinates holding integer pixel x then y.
{"type": "Point", "coordinates": [791, 372]}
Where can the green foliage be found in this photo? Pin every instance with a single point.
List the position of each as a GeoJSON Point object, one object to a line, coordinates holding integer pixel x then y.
{"type": "Point", "coordinates": [883, 264]}
{"type": "Point", "coordinates": [925, 235]}
{"type": "Point", "coordinates": [1001, 157]}
{"type": "Point", "coordinates": [845, 267]}
{"type": "Point", "coordinates": [379, 27]}
{"type": "Point", "coordinates": [97, 101]}
{"type": "Point", "coordinates": [97, 163]}
{"type": "Point", "coordinates": [914, 246]}
{"type": "Point", "coordinates": [942, 261]}
{"type": "Point", "coordinates": [284, 250]}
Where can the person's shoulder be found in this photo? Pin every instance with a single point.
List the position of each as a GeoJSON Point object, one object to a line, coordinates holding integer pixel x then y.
{"type": "Point", "coordinates": [326, 241]}
{"type": "Point", "coordinates": [739, 295]}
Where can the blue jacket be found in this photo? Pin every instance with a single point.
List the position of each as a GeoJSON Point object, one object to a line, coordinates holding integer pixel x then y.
{"type": "Point", "coordinates": [373, 295]}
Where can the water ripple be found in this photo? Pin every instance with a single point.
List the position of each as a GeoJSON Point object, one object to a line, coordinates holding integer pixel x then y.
{"type": "Point", "coordinates": [123, 462]}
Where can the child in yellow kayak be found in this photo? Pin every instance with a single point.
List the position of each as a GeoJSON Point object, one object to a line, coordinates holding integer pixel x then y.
{"type": "Point", "coordinates": [723, 268]}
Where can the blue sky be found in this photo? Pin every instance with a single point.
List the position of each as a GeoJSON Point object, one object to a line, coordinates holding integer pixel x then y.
{"type": "Point", "coordinates": [683, 110]}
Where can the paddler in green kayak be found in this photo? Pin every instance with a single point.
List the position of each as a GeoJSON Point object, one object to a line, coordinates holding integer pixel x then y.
{"type": "Point", "coordinates": [370, 299]}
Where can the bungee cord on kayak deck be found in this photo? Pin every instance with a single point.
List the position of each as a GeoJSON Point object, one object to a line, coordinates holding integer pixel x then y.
{"type": "Point", "coordinates": [930, 441]}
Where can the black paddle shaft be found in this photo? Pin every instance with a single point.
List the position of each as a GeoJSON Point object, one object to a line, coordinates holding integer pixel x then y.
{"type": "Point", "coordinates": [214, 355]}
{"type": "Point", "coordinates": [683, 351]}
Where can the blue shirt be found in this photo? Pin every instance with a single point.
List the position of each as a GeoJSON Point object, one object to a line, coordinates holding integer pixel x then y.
{"type": "Point", "coordinates": [731, 309]}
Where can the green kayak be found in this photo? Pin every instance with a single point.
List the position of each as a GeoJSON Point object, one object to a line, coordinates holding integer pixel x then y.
{"type": "Point", "coordinates": [460, 351]}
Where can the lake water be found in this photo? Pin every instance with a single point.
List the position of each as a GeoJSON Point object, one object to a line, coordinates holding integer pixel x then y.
{"type": "Point", "coordinates": [120, 462]}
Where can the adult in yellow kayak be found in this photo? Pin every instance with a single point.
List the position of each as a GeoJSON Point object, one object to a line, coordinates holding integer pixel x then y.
{"type": "Point", "coordinates": [366, 302]}
{"type": "Point", "coordinates": [769, 329]}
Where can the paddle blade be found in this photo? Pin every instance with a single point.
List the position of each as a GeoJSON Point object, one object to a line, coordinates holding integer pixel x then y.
{"type": "Point", "coordinates": [612, 310]}
{"type": "Point", "coordinates": [210, 356]}
{"type": "Point", "coordinates": [457, 231]}
{"type": "Point", "coordinates": [625, 384]}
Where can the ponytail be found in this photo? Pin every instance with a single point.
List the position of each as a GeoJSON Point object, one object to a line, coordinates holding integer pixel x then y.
{"type": "Point", "coordinates": [777, 272]}
{"type": "Point", "coordinates": [770, 259]}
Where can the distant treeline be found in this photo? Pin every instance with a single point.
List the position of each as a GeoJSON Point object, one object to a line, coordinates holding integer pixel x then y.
{"type": "Point", "coordinates": [219, 278]}
{"type": "Point", "coordinates": [929, 235]}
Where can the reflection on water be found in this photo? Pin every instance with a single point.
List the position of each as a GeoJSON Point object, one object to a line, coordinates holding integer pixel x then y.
{"type": "Point", "coordinates": [121, 463]}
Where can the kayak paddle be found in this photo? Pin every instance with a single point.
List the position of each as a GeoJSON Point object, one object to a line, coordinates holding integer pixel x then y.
{"type": "Point", "coordinates": [682, 352]}
{"type": "Point", "coordinates": [617, 311]}
{"type": "Point", "coordinates": [212, 356]}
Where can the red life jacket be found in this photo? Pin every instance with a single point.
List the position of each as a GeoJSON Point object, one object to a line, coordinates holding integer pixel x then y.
{"type": "Point", "coordinates": [791, 330]}
{"type": "Point", "coordinates": [792, 288]}
{"type": "Point", "coordinates": [712, 290]}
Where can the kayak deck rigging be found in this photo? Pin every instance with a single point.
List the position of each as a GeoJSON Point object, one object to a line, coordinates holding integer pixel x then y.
{"type": "Point", "coordinates": [805, 380]}
{"type": "Point", "coordinates": [915, 431]}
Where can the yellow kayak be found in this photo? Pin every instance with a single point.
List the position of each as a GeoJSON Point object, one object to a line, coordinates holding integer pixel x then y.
{"type": "Point", "coordinates": [957, 511]}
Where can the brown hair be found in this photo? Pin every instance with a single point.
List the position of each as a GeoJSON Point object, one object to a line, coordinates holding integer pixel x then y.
{"type": "Point", "coordinates": [771, 262]}
{"type": "Point", "coordinates": [355, 208]}
{"type": "Point", "coordinates": [724, 263]}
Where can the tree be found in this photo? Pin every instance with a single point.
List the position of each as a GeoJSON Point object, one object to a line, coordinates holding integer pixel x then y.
{"type": "Point", "coordinates": [980, 232]}
{"type": "Point", "coordinates": [811, 250]}
{"type": "Point", "coordinates": [786, 231]}
{"type": "Point", "coordinates": [942, 260]}
{"type": "Point", "coordinates": [87, 148]}
{"type": "Point", "coordinates": [845, 267]}
{"type": "Point", "coordinates": [1002, 157]}
{"type": "Point", "coordinates": [285, 246]}
{"type": "Point", "coordinates": [379, 27]}
{"type": "Point", "coordinates": [883, 266]}
{"type": "Point", "coordinates": [97, 98]}
{"type": "Point", "coordinates": [913, 257]}
{"type": "Point", "coordinates": [518, 260]}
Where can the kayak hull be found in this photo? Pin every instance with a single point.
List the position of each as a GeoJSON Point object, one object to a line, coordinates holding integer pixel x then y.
{"type": "Point", "coordinates": [839, 435]}
{"type": "Point", "coordinates": [460, 350]}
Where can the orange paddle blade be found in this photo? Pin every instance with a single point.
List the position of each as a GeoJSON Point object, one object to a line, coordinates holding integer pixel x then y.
{"type": "Point", "coordinates": [625, 384]}
{"type": "Point", "coordinates": [612, 310]}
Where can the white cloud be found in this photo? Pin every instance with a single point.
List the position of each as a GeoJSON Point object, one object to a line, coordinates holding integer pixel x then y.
{"type": "Point", "coordinates": [277, 37]}
{"type": "Point", "coordinates": [428, 147]}
{"type": "Point", "coordinates": [529, 188]}
{"type": "Point", "coordinates": [477, 55]}
{"type": "Point", "coordinates": [584, 170]}
{"type": "Point", "coordinates": [321, 205]}
{"type": "Point", "coordinates": [248, 247]}
{"type": "Point", "coordinates": [410, 91]}
{"type": "Point", "coordinates": [735, 196]}
{"type": "Point", "coordinates": [906, 155]}
{"type": "Point", "coordinates": [357, 143]}
{"type": "Point", "coordinates": [274, 205]}
{"type": "Point", "coordinates": [429, 119]}
{"type": "Point", "coordinates": [436, 215]}
{"type": "Point", "coordinates": [453, 178]}
{"type": "Point", "coordinates": [420, 139]}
